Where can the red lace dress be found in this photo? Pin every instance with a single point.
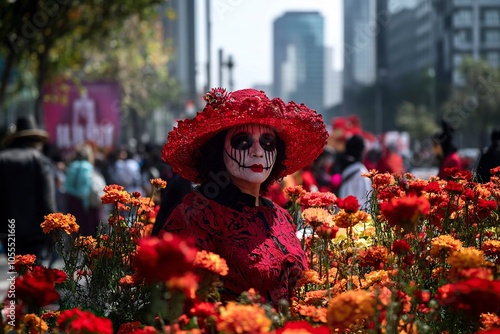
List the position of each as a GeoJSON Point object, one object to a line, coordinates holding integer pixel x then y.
{"type": "Point", "coordinates": [259, 244]}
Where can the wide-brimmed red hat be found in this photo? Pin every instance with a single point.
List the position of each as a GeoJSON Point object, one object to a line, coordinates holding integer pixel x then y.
{"type": "Point", "coordinates": [301, 129]}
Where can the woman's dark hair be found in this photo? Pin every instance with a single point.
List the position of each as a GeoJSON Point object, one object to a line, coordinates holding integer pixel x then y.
{"type": "Point", "coordinates": [209, 160]}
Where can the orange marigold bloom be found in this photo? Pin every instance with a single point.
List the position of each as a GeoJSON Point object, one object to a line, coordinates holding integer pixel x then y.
{"type": "Point", "coordinates": [489, 320]}
{"type": "Point", "coordinates": [378, 277]}
{"type": "Point", "coordinates": [294, 193]}
{"type": "Point", "coordinates": [34, 324]}
{"type": "Point", "coordinates": [491, 247]}
{"type": "Point", "coordinates": [315, 217]}
{"type": "Point", "coordinates": [187, 283]}
{"type": "Point", "coordinates": [309, 276]}
{"type": "Point", "coordinates": [24, 263]}
{"type": "Point", "coordinates": [243, 319]}
{"type": "Point", "coordinates": [374, 256]}
{"type": "Point", "coordinates": [380, 181]}
{"type": "Point", "coordinates": [115, 194]}
{"type": "Point", "coordinates": [348, 308]}
{"type": "Point", "coordinates": [158, 183]}
{"type": "Point", "coordinates": [469, 257]}
{"type": "Point", "coordinates": [212, 262]}
{"type": "Point", "coordinates": [316, 297]}
{"type": "Point", "coordinates": [85, 242]}
{"type": "Point", "coordinates": [59, 221]}
{"type": "Point", "coordinates": [316, 314]}
{"type": "Point", "coordinates": [344, 220]}
{"type": "Point", "coordinates": [444, 244]}
{"type": "Point", "coordinates": [127, 280]}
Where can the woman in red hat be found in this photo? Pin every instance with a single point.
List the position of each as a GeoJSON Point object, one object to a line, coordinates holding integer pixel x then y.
{"type": "Point", "coordinates": [235, 148]}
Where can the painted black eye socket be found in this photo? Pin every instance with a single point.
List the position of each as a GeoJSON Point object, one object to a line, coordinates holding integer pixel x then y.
{"type": "Point", "coordinates": [268, 142]}
{"type": "Point", "coordinates": [242, 141]}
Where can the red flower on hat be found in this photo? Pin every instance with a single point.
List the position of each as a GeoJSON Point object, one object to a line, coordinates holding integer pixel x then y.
{"type": "Point", "coordinates": [216, 96]}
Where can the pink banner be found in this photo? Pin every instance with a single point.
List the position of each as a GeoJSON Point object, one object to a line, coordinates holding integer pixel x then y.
{"type": "Point", "coordinates": [85, 113]}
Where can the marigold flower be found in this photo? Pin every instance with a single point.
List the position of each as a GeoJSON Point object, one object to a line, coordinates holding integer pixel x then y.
{"type": "Point", "coordinates": [315, 216]}
{"type": "Point", "coordinates": [187, 284]}
{"type": "Point", "coordinates": [328, 229]}
{"type": "Point", "coordinates": [158, 183]}
{"type": "Point", "coordinates": [380, 181]}
{"type": "Point", "coordinates": [469, 257]}
{"type": "Point", "coordinates": [115, 194]}
{"type": "Point", "coordinates": [244, 319]}
{"type": "Point", "coordinates": [348, 308]}
{"type": "Point", "coordinates": [34, 324]}
{"type": "Point", "coordinates": [489, 320]}
{"type": "Point", "coordinates": [316, 314]}
{"type": "Point", "coordinates": [374, 256]}
{"type": "Point", "coordinates": [400, 247]}
{"type": "Point", "coordinates": [443, 245]}
{"type": "Point", "coordinates": [212, 262]}
{"type": "Point", "coordinates": [318, 199]}
{"type": "Point", "coordinates": [491, 247]}
{"type": "Point", "coordinates": [344, 220]}
{"type": "Point", "coordinates": [309, 276]}
{"type": "Point", "coordinates": [59, 221]}
{"type": "Point", "coordinates": [378, 277]}
{"type": "Point", "coordinates": [24, 263]}
{"type": "Point", "coordinates": [294, 193]}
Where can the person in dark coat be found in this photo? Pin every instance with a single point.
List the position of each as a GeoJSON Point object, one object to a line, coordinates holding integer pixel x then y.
{"type": "Point", "coordinates": [490, 158]}
{"type": "Point", "coordinates": [28, 191]}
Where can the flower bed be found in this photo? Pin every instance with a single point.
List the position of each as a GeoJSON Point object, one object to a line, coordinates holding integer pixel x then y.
{"type": "Point", "coordinates": [423, 260]}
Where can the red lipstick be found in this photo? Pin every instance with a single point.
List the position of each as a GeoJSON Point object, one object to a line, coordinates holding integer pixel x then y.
{"type": "Point", "coordinates": [257, 168]}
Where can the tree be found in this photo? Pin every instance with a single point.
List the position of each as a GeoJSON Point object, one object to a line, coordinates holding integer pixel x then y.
{"type": "Point", "coordinates": [31, 30]}
{"type": "Point", "coordinates": [417, 120]}
{"type": "Point", "coordinates": [474, 103]}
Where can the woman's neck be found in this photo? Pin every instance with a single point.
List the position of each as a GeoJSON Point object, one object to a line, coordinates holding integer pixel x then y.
{"type": "Point", "coordinates": [248, 188]}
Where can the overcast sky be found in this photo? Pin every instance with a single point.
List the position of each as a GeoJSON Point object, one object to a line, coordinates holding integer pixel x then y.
{"type": "Point", "coordinates": [243, 29]}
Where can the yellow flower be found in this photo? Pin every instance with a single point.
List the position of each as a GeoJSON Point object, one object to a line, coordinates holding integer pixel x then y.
{"type": "Point", "coordinates": [243, 319]}
{"type": "Point", "coordinates": [59, 221]}
{"type": "Point", "coordinates": [444, 244]}
{"type": "Point", "coordinates": [350, 307]}
{"type": "Point", "coordinates": [34, 324]}
{"type": "Point", "coordinates": [469, 257]}
{"type": "Point", "coordinates": [212, 262]}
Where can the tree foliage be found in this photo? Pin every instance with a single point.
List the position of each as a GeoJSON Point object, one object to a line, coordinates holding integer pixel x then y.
{"type": "Point", "coordinates": [417, 120]}
{"type": "Point", "coordinates": [474, 104]}
{"type": "Point", "coordinates": [32, 32]}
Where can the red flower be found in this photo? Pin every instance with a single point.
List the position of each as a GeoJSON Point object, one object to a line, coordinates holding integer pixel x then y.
{"type": "Point", "coordinates": [404, 212]}
{"type": "Point", "coordinates": [33, 290]}
{"type": "Point", "coordinates": [349, 204]}
{"type": "Point", "coordinates": [475, 295]}
{"type": "Point", "coordinates": [400, 247]}
{"type": "Point", "coordinates": [165, 257]}
{"type": "Point", "coordinates": [454, 187]}
{"type": "Point", "coordinates": [433, 187]}
{"type": "Point", "coordinates": [78, 321]}
{"type": "Point", "coordinates": [318, 199]}
{"type": "Point", "coordinates": [302, 327]}
{"type": "Point", "coordinates": [50, 275]}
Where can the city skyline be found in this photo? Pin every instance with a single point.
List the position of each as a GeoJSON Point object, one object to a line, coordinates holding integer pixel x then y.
{"type": "Point", "coordinates": [244, 30]}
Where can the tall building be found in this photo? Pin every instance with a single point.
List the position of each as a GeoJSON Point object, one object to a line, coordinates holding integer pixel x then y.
{"type": "Point", "coordinates": [298, 59]}
{"type": "Point", "coordinates": [179, 31]}
{"type": "Point", "coordinates": [365, 70]}
{"type": "Point", "coordinates": [466, 27]}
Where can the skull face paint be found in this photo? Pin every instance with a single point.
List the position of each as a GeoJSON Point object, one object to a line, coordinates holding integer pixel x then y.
{"type": "Point", "coordinates": [250, 152]}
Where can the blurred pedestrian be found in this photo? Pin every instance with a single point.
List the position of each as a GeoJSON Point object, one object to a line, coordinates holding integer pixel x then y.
{"type": "Point", "coordinates": [28, 191]}
{"type": "Point", "coordinates": [490, 158]}
{"type": "Point", "coordinates": [84, 185]}
{"type": "Point", "coordinates": [390, 161]}
{"type": "Point", "coordinates": [352, 168]}
{"type": "Point", "coordinates": [445, 151]}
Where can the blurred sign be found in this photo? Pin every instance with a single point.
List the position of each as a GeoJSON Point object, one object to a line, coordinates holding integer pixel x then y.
{"type": "Point", "coordinates": [80, 114]}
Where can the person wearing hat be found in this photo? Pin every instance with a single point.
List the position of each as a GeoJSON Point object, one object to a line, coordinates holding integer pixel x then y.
{"type": "Point", "coordinates": [28, 191]}
{"type": "Point", "coordinates": [235, 149]}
